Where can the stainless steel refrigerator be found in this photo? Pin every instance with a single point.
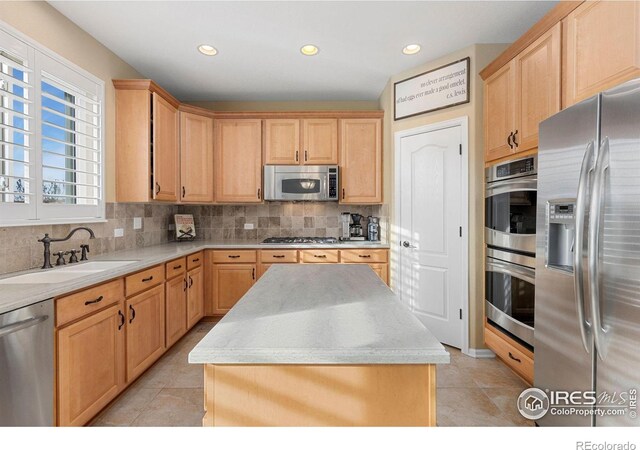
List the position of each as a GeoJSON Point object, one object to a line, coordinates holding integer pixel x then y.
{"type": "Point", "coordinates": [587, 303]}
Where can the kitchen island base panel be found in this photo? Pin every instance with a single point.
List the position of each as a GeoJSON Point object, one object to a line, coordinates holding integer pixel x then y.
{"type": "Point", "coordinates": [320, 395]}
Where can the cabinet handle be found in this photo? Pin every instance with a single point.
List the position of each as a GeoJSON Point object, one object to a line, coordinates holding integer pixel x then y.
{"type": "Point", "coordinates": [184, 192]}
{"type": "Point", "coordinates": [296, 155]}
{"type": "Point", "coordinates": [177, 267]}
{"type": "Point", "coordinates": [157, 188]}
{"type": "Point", "coordinates": [144, 280]}
{"type": "Point", "coordinates": [278, 256]}
{"type": "Point", "coordinates": [133, 313]}
{"type": "Point", "coordinates": [190, 282]}
{"type": "Point", "coordinates": [514, 139]}
{"type": "Point", "coordinates": [306, 156]}
{"type": "Point", "coordinates": [509, 140]}
{"type": "Point", "coordinates": [253, 273]}
{"type": "Point", "coordinates": [514, 358]}
{"type": "Point", "coordinates": [258, 193]}
{"type": "Point", "coordinates": [122, 320]}
{"type": "Point", "coordinates": [195, 260]}
{"type": "Point", "coordinates": [342, 193]}
{"type": "Point", "coordinates": [186, 285]}
{"type": "Point", "coordinates": [233, 256]}
{"type": "Point", "coordinates": [364, 256]}
{"type": "Point", "coordinates": [92, 302]}
{"type": "Point", "coordinates": [319, 256]}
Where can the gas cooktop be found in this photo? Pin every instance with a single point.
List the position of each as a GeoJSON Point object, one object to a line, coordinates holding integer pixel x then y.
{"type": "Point", "coordinates": [300, 240]}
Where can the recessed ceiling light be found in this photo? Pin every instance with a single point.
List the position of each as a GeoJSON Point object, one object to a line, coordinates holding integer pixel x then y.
{"type": "Point", "coordinates": [411, 49]}
{"type": "Point", "coordinates": [309, 50]}
{"type": "Point", "coordinates": [208, 50]}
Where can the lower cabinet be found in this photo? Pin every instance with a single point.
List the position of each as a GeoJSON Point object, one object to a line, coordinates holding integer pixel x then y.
{"type": "Point", "coordinates": [195, 296]}
{"type": "Point", "coordinates": [230, 282]}
{"type": "Point", "coordinates": [512, 353]}
{"type": "Point", "coordinates": [91, 365]}
{"type": "Point", "coordinates": [382, 270]}
{"type": "Point", "coordinates": [145, 330]}
{"type": "Point", "coordinates": [176, 309]}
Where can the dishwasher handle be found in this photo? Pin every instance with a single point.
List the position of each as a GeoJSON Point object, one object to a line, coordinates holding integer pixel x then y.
{"type": "Point", "coordinates": [21, 325]}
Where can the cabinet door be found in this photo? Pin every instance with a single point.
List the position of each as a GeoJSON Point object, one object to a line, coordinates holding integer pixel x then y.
{"type": "Point", "coordinates": [319, 141]}
{"type": "Point", "coordinates": [145, 330]}
{"type": "Point", "coordinates": [360, 161]}
{"type": "Point", "coordinates": [602, 47]}
{"type": "Point", "coordinates": [537, 87]}
{"type": "Point", "coordinates": [499, 112]}
{"type": "Point", "coordinates": [91, 369]}
{"type": "Point", "coordinates": [165, 155]}
{"type": "Point", "coordinates": [195, 296]}
{"type": "Point", "coordinates": [382, 270]}
{"type": "Point", "coordinates": [176, 309]}
{"type": "Point", "coordinates": [231, 282]}
{"type": "Point", "coordinates": [238, 160]}
{"type": "Point", "coordinates": [282, 141]}
{"type": "Point", "coordinates": [196, 158]}
{"type": "Point", "coordinates": [262, 268]}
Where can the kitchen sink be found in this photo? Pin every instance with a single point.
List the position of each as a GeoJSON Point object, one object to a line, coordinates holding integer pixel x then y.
{"type": "Point", "coordinates": [67, 273]}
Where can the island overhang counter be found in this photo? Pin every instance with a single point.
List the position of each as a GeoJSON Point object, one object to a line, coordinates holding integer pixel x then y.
{"type": "Point", "coordinates": [319, 345]}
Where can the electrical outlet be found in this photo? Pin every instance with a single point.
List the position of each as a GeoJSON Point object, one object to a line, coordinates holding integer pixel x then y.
{"type": "Point", "coordinates": [118, 232]}
{"type": "Point", "coordinates": [248, 226]}
{"type": "Point", "coordinates": [137, 223]}
{"type": "Point", "coordinates": [172, 227]}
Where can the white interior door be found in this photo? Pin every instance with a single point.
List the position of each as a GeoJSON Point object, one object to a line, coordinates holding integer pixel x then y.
{"type": "Point", "coordinates": [431, 202]}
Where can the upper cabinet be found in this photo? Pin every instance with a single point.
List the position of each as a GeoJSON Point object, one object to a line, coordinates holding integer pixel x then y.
{"type": "Point", "coordinates": [360, 161]}
{"type": "Point", "coordinates": [196, 158]}
{"type": "Point", "coordinates": [238, 160]}
{"type": "Point", "coordinates": [602, 47]}
{"type": "Point", "coordinates": [147, 154]}
{"type": "Point", "coordinates": [301, 141]}
{"type": "Point", "coordinates": [520, 95]}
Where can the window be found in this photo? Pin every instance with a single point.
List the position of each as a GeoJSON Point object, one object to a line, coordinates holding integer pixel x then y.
{"type": "Point", "coordinates": [51, 143]}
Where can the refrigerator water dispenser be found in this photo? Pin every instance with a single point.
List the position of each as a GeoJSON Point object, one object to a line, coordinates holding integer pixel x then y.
{"type": "Point", "coordinates": [560, 234]}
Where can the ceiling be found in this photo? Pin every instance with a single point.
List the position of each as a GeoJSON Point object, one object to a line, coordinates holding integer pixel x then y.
{"type": "Point", "coordinates": [259, 42]}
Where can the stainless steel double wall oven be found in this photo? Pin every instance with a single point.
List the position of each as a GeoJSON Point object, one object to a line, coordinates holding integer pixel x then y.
{"type": "Point", "coordinates": [510, 235]}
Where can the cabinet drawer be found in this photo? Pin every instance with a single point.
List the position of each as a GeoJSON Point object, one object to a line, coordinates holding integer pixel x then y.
{"type": "Point", "coordinates": [234, 256]}
{"type": "Point", "coordinates": [363, 256]}
{"type": "Point", "coordinates": [519, 359]}
{"type": "Point", "coordinates": [80, 304]}
{"type": "Point", "coordinates": [319, 256]}
{"type": "Point", "coordinates": [140, 281]}
{"type": "Point", "coordinates": [175, 267]}
{"type": "Point", "coordinates": [278, 256]}
{"type": "Point", "coordinates": [195, 260]}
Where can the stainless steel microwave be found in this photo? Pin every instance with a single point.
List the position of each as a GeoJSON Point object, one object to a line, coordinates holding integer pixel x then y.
{"type": "Point", "coordinates": [307, 183]}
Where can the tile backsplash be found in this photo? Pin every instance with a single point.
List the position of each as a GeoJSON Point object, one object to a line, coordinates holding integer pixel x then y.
{"type": "Point", "coordinates": [20, 249]}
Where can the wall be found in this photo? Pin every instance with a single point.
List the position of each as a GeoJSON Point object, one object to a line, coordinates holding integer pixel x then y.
{"type": "Point", "coordinates": [44, 24]}
{"type": "Point", "coordinates": [288, 106]}
{"type": "Point", "coordinates": [480, 55]}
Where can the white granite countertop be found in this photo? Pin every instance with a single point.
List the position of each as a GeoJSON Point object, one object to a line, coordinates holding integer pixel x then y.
{"type": "Point", "coordinates": [14, 296]}
{"type": "Point", "coordinates": [319, 314]}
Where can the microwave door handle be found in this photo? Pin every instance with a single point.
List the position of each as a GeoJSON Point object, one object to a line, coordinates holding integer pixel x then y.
{"type": "Point", "coordinates": [595, 215]}
{"type": "Point", "coordinates": [325, 189]}
{"type": "Point", "coordinates": [578, 244]}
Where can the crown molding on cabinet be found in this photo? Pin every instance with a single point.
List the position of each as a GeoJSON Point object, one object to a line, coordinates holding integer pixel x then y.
{"type": "Point", "coordinates": [148, 85]}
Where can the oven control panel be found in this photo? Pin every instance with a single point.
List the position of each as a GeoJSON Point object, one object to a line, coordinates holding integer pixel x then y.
{"type": "Point", "coordinates": [516, 168]}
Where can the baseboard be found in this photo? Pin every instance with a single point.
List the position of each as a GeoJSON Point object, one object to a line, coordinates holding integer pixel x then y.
{"type": "Point", "coordinates": [480, 353]}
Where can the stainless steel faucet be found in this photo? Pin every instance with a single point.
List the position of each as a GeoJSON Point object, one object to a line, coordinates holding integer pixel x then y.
{"type": "Point", "coordinates": [46, 240]}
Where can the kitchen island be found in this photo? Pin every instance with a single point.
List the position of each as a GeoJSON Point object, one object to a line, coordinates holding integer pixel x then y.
{"type": "Point", "coordinates": [319, 345]}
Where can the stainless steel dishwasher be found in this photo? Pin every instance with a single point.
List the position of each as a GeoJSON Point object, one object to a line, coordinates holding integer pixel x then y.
{"type": "Point", "coordinates": [26, 366]}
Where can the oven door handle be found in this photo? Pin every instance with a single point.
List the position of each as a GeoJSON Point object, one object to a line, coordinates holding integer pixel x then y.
{"type": "Point", "coordinates": [514, 270]}
{"type": "Point", "coordinates": [502, 187]}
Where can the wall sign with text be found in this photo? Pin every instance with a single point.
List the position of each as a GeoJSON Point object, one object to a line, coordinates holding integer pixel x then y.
{"type": "Point", "coordinates": [437, 89]}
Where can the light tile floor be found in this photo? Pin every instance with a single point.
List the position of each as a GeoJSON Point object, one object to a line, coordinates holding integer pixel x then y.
{"type": "Point", "coordinates": [471, 392]}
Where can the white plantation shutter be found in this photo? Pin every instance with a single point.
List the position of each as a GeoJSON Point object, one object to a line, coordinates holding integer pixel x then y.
{"type": "Point", "coordinates": [51, 137]}
{"type": "Point", "coordinates": [17, 141]}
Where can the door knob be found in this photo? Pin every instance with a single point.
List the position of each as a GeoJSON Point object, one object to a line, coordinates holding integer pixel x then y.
{"type": "Point", "coordinates": [407, 244]}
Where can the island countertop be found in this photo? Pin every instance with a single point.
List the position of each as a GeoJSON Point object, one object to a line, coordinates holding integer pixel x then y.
{"type": "Point", "coordinates": [319, 314]}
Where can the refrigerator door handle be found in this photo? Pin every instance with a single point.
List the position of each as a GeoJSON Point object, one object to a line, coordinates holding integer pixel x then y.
{"type": "Point", "coordinates": [578, 244]}
{"type": "Point", "coordinates": [595, 213]}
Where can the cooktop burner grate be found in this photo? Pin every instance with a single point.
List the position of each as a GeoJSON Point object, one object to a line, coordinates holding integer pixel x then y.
{"type": "Point", "coordinates": [300, 240]}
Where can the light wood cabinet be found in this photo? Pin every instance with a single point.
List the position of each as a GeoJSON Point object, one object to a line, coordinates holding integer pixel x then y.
{"type": "Point", "coordinates": [90, 365]}
{"type": "Point", "coordinates": [382, 270]}
{"type": "Point", "coordinates": [145, 330]}
{"type": "Point", "coordinates": [602, 47]}
{"type": "Point", "coordinates": [311, 141]}
{"type": "Point", "coordinates": [318, 255]}
{"type": "Point", "coordinates": [499, 113]}
{"type": "Point", "coordinates": [195, 296]}
{"type": "Point", "coordinates": [176, 309]}
{"type": "Point", "coordinates": [360, 161]}
{"type": "Point", "coordinates": [196, 158]}
{"type": "Point", "coordinates": [147, 147]}
{"type": "Point", "coordinates": [512, 353]}
{"type": "Point", "coordinates": [238, 160]}
{"type": "Point", "coordinates": [230, 282]}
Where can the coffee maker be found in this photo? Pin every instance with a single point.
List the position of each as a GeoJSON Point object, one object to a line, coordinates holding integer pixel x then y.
{"type": "Point", "coordinates": [356, 228]}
